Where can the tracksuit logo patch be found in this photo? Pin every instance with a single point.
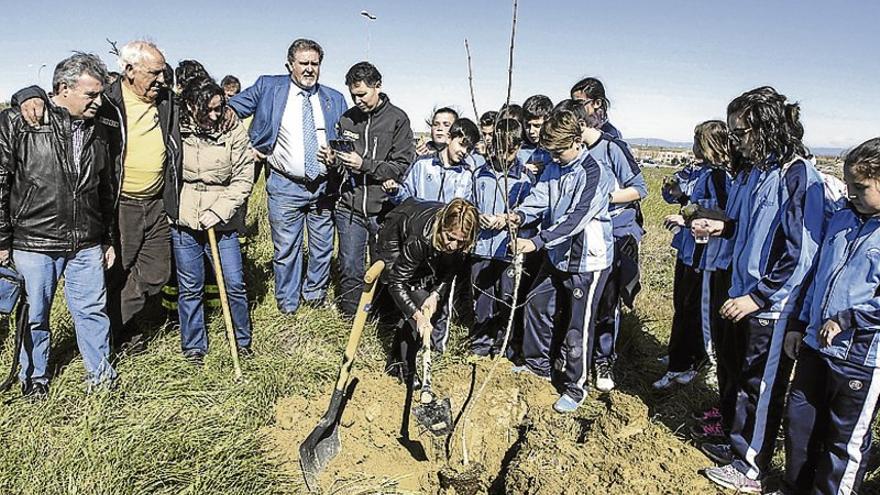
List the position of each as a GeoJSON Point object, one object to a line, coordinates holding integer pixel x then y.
{"type": "Point", "coordinates": [855, 385]}
{"type": "Point", "coordinates": [578, 294]}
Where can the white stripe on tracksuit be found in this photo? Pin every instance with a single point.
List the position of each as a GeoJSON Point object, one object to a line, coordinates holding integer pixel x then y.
{"type": "Point", "coordinates": [854, 446]}
{"type": "Point", "coordinates": [774, 355]}
{"type": "Point", "coordinates": [589, 319]}
{"type": "Point", "coordinates": [705, 315]}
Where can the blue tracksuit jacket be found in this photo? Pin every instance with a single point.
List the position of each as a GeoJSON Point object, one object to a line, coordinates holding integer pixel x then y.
{"type": "Point", "coordinates": [779, 225]}
{"type": "Point", "coordinates": [572, 203]}
{"type": "Point", "coordinates": [846, 288]}
{"type": "Point", "coordinates": [490, 198]}
{"type": "Point", "coordinates": [615, 155]}
{"type": "Point", "coordinates": [428, 180]}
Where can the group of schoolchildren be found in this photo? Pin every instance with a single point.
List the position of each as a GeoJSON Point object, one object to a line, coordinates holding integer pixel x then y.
{"type": "Point", "coordinates": [561, 183]}
{"type": "Point", "coordinates": [772, 255]}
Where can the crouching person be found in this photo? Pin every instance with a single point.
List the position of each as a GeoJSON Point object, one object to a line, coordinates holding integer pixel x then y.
{"type": "Point", "coordinates": [218, 175]}
{"type": "Point", "coordinates": [57, 217]}
{"type": "Point", "coordinates": [571, 201]}
{"type": "Point", "coordinates": [422, 244]}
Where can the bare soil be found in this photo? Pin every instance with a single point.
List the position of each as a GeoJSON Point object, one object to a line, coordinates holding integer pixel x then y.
{"type": "Point", "coordinates": [516, 443]}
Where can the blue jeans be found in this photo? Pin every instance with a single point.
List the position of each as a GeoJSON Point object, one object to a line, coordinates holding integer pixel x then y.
{"type": "Point", "coordinates": [190, 247]}
{"type": "Point", "coordinates": [86, 297]}
{"type": "Point", "coordinates": [291, 205]}
{"type": "Point", "coordinates": [357, 236]}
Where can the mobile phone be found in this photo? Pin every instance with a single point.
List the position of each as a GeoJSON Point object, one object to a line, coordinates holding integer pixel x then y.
{"type": "Point", "coordinates": [342, 145]}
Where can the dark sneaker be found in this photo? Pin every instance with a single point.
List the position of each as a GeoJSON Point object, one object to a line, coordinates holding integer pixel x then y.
{"type": "Point", "coordinates": [730, 477]}
{"type": "Point", "coordinates": [195, 358]}
{"type": "Point", "coordinates": [35, 391]}
{"type": "Point", "coordinates": [605, 376]}
{"type": "Point", "coordinates": [245, 352]}
{"type": "Point", "coordinates": [525, 369]}
{"type": "Point", "coordinates": [721, 453]}
{"type": "Point", "coordinates": [399, 371]}
{"type": "Point", "coordinates": [711, 432]}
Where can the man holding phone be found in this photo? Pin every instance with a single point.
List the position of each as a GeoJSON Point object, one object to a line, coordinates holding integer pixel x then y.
{"type": "Point", "coordinates": [294, 118]}
{"type": "Point", "coordinates": [383, 150]}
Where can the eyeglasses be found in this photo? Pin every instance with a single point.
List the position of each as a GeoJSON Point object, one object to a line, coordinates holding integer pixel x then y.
{"type": "Point", "coordinates": [736, 135]}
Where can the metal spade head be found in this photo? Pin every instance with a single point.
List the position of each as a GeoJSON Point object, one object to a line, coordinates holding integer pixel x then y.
{"type": "Point", "coordinates": [435, 416]}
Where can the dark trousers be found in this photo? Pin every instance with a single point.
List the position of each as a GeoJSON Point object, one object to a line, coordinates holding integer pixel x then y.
{"type": "Point", "coordinates": [831, 406]}
{"type": "Point", "coordinates": [143, 264]}
{"type": "Point", "coordinates": [689, 339]}
{"type": "Point", "coordinates": [730, 348]}
{"type": "Point", "coordinates": [492, 280]}
{"type": "Point", "coordinates": [357, 238]}
{"type": "Point", "coordinates": [760, 398]}
{"type": "Point", "coordinates": [608, 316]}
{"type": "Point", "coordinates": [560, 319]}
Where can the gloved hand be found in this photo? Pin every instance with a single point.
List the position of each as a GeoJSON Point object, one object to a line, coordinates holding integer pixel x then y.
{"type": "Point", "coordinates": [208, 219]}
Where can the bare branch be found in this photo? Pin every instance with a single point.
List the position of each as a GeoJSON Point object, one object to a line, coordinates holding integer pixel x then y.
{"type": "Point", "coordinates": [467, 49]}
{"type": "Point", "coordinates": [113, 49]}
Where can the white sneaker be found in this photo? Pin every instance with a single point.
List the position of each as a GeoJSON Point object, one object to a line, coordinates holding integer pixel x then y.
{"type": "Point", "coordinates": [667, 380]}
{"type": "Point", "coordinates": [729, 477]}
{"type": "Point", "coordinates": [604, 376]}
{"type": "Point", "coordinates": [686, 377]}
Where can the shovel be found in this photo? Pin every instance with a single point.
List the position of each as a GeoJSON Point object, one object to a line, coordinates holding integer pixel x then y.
{"type": "Point", "coordinates": [323, 444]}
{"type": "Point", "coordinates": [433, 414]}
{"type": "Point", "coordinates": [224, 303]}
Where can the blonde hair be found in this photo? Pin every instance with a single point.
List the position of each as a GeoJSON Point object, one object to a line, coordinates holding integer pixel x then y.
{"type": "Point", "coordinates": [461, 215]}
{"type": "Point", "coordinates": [712, 141]}
{"type": "Point", "coordinates": [560, 131]}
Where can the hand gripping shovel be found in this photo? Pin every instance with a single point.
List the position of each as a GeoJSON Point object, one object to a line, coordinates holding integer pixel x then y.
{"type": "Point", "coordinates": [433, 414]}
{"type": "Point", "coordinates": [323, 444]}
{"type": "Point", "coordinates": [224, 303]}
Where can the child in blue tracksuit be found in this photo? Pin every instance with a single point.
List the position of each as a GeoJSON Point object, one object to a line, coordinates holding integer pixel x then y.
{"type": "Point", "coordinates": [499, 187]}
{"type": "Point", "coordinates": [536, 108]}
{"type": "Point", "coordinates": [690, 341]}
{"type": "Point", "coordinates": [443, 176]}
{"type": "Point", "coordinates": [776, 232]}
{"type": "Point", "coordinates": [833, 397]}
{"type": "Point", "coordinates": [571, 201]}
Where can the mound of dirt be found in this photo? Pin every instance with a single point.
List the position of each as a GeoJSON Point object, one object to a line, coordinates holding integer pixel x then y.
{"type": "Point", "coordinates": [521, 445]}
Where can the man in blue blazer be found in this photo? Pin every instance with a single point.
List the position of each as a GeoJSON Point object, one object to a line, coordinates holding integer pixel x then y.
{"type": "Point", "coordinates": [293, 117]}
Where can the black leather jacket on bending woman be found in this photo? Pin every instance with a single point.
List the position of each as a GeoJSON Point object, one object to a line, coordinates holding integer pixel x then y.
{"type": "Point", "coordinates": [411, 260]}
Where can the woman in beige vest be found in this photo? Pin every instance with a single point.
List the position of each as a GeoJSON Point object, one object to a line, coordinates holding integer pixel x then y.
{"type": "Point", "coordinates": [217, 178]}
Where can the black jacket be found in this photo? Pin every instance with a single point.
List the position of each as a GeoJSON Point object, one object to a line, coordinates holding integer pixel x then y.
{"type": "Point", "coordinates": [411, 260]}
{"type": "Point", "coordinates": [48, 202]}
{"type": "Point", "coordinates": [112, 114]}
{"type": "Point", "coordinates": [384, 139]}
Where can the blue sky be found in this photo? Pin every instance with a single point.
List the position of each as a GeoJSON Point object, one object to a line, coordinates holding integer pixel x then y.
{"type": "Point", "coordinates": [667, 65]}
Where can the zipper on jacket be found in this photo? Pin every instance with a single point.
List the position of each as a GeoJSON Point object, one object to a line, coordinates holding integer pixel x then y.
{"type": "Point", "coordinates": [850, 251]}
{"type": "Point", "coordinates": [366, 153]}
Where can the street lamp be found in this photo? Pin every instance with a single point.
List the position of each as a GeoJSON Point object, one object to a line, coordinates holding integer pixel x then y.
{"type": "Point", "coordinates": [39, 72]}
{"type": "Point", "coordinates": [370, 18]}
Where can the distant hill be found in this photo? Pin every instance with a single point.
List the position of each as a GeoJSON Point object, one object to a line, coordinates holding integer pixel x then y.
{"type": "Point", "coordinates": [659, 143]}
{"type": "Point", "coordinates": [662, 143]}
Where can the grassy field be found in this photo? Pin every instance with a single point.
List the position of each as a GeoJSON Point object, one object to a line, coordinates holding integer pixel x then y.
{"type": "Point", "coordinates": [172, 428]}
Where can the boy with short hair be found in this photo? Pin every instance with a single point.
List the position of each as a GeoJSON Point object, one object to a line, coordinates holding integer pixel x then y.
{"type": "Point", "coordinates": [500, 185]}
{"type": "Point", "coordinates": [535, 110]}
{"type": "Point", "coordinates": [571, 201]}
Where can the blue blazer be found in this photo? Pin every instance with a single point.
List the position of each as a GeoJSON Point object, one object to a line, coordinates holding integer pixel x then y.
{"type": "Point", "coordinates": [266, 99]}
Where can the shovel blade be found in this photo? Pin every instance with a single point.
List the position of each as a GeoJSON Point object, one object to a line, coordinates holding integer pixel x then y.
{"type": "Point", "coordinates": [322, 444]}
{"type": "Point", "coordinates": [435, 416]}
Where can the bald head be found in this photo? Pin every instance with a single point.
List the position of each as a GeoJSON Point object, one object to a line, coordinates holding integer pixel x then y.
{"type": "Point", "coordinates": [143, 66]}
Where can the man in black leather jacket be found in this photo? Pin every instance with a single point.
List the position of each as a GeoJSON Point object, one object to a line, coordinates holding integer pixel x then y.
{"type": "Point", "coordinates": [422, 243]}
{"type": "Point", "coordinates": [57, 216]}
{"type": "Point", "coordinates": [147, 177]}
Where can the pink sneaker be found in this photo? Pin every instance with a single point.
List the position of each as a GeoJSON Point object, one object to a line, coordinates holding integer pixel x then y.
{"type": "Point", "coordinates": [712, 415]}
{"type": "Point", "coordinates": [708, 431]}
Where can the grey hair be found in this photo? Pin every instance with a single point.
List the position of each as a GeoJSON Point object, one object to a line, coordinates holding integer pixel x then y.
{"type": "Point", "coordinates": [135, 52]}
{"type": "Point", "coordinates": [303, 44]}
{"type": "Point", "coordinates": [69, 70]}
